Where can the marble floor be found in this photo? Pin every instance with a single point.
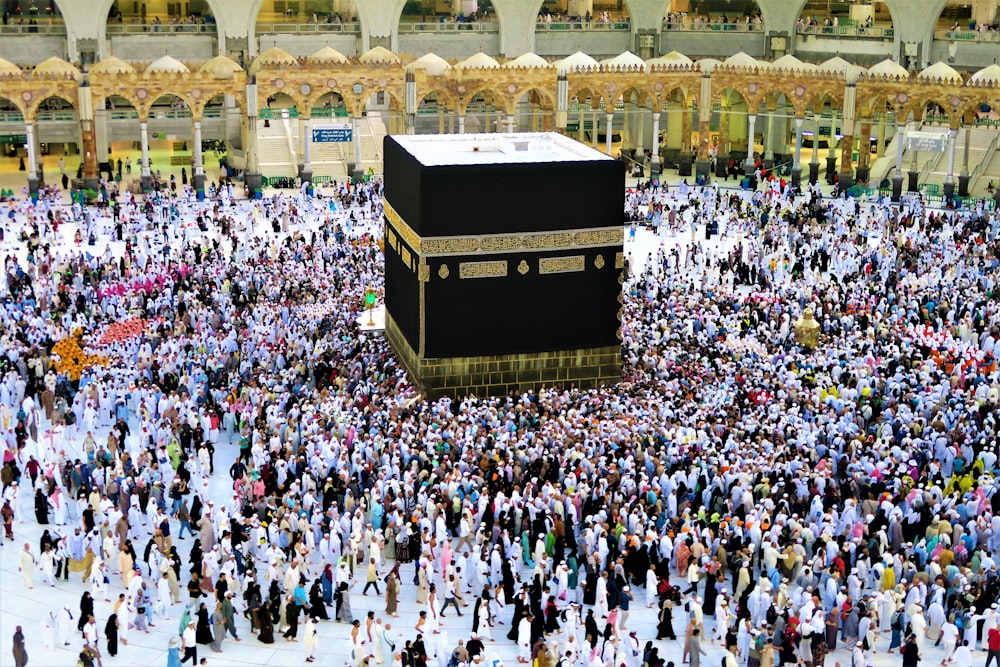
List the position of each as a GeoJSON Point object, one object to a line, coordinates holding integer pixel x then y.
{"type": "Point", "coordinates": [30, 607]}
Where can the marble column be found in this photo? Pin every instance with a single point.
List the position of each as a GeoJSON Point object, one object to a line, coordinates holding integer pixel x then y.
{"type": "Point", "coordinates": [797, 159]}
{"type": "Point", "coordinates": [654, 162]}
{"type": "Point", "coordinates": [147, 175]}
{"type": "Point", "coordinates": [748, 164]}
{"type": "Point", "coordinates": [949, 179]}
{"type": "Point", "coordinates": [814, 161]}
{"type": "Point", "coordinates": [198, 168]}
{"type": "Point", "coordinates": [33, 179]}
{"type": "Point", "coordinates": [461, 124]}
{"type": "Point", "coordinates": [897, 178]}
{"type": "Point", "coordinates": [510, 123]}
{"type": "Point", "coordinates": [608, 131]}
{"type": "Point", "coordinates": [963, 178]}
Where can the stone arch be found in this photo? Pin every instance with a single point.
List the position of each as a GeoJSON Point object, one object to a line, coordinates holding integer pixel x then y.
{"type": "Point", "coordinates": [499, 98]}
{"type": "Point", "coordinates": [597, 97]}
{"type": "Point", "coordinates": [237, 19]}
{"type": "Point", "coordinates": [379, 20]}
{"type": "Point", "coordinates": [33, 108]}
{"type": "Point", "coordinates": [643, 97]}
{"type": "Point", "coordinates": [145, 107]}
{"type": "Point", "coordinates": [920, 106]}
{"type": "Point", "coordinates": [545, 99]}
{"type": "Point", "coordinates": [16, 103]}
{"type": "Point", "coordinates": [314, 99]}
{"type": "Point", "coordinates": [211, 94]}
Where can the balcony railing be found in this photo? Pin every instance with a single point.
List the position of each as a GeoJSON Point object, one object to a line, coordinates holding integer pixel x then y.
{"type": "Point", "coordinates": [309, 28]}
{"type": "Point", "coordinates": [702, 26]}
{"type": "Point", "coordinates": [846, 31]}
{"type": "Point", "coordinates": [989, 36]}
{"type": "Point", "coordinates": [450, 26]}
{"type": "Point", "coordinates": [589, 26]}
{"type": "Point", "coordinates": [40, 29]}
{"type": "Point", "coordinates": [154, 28]}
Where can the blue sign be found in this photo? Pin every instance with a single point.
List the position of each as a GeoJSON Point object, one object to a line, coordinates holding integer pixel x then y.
{"type": "Point", "coordinates": [326, 134]}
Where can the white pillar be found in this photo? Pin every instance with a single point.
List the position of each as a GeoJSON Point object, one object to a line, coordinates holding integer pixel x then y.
{"type": "Point", "coordinates": [751, 141]}
{"type": "Point", "coordinates": [461, 124]}
{"type": "Point", "coordinates": [900, 145]}
{"type": "Point", "coordinates": [833, 134]}
{"type": "Point", "coordinates": [815, 156]}
{"type": "Point", "coordinates": [656, 137]}
{"type": "Point", "coordinates": [593, 131]}
{"type": "Point", "coordinates": [510, 124]}
{"type": "Point", "coordinates": [32, 155]}
{"type": "Point", "coordinates": [357, 143]}
{"type": "Point", "coordinates": [638, 132]}
{"type": "Point", "coordinates": [797, 164]}
{"type": "Point", "coordinates": [198, 167]}
{"type": "Point", "coordinates": [768, 153]}
{"type": "Point", "coordinates": [306, 143]}
{"type": "Point", "coordinates": [952, 142]}
{"type": "Point", "coordinates": [607, 132]}
{"type": "Point", "coordinates": [144, 138]}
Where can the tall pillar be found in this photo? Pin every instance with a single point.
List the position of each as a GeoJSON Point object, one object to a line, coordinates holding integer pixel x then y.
{"type": "Point", "coordinates": [864, 152]}
{"type": "Point", "coordinates": [949, 179]}
{"type": "Point", "coordinates": [461, 123]}
{"type": "Point", "coordinates": [797, 160]}
{"type": "Point", "coordinates": [147, 174]}
{"type": "Point", "coordinates": [357, 169]}
{"type": "Point", "coordinates": [33, 179]}
{"type": "Point", "coordinates": [510, 123]}
{"type": "Point", "coordinates": [88, 136]}
{"type": "Point", "coordinates": [198, 168]}
{"type": "Point", "coordinates": [579, 130]}
{"type": "Point", "coordinates": [963, 178]}
{"type": "Point", "coordinates": [593, 125]}
{"type": "Point", "coordinates": [251, 177]}
{"type": "Point", "coordinates": [410, 102]}
{"type": "Point", "coordinates": [639, 118]}
{"type": "Point", "coordinates": [703, 164]}
{"type": "Point", "coordinates": [831, 154]}
{"type": "Point", "coordinates": [654, 162]}
{"type": "Point", "coordinates": [626, 129]}
{"type": "Point", "coordinates": [441, 119]}
{"type": "Point", "coordinates": [562, 103]}
{"type": "Point", "coordinates": [608, 131]}
{"type": "Point", "coordinates": [913, 176]}
{"type": "Point", "coordinates": [748, 165]}
{"type": "Point", "coordinates": [768, 149]}
{"type": "Point", "coordinates": [814, 161]}
{"type": "Point", "coordinates": [897, 178]}
{"type": "Point", "coordinates": [846, 179]}
{"type": "Point", "coordinates": [722, 161]}
{"type": "Point", "coordinates": [880, 148]}
{"type": "Point", "coordinates": [305, 169]}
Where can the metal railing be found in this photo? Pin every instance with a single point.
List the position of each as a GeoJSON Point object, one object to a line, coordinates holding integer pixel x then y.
{"type": "Point", "coordinates": [846, 31]}
{"type": "Point", "coordinates": [988, 157]}
{"type": "Point", "coordinates": [991, 36]}
{"type": "Point", "coordinates": [39, 29]}
{"type": "Point", "coordinates": [309, 28]}
{"type": "Point", "coordinates": [704, 26]}
{"type": "Point", "coordinates": [588, 26]}
{"type": "Point", "coordinates": [154, 28]}
{"type": "Point", "coordinates": [450, 26]}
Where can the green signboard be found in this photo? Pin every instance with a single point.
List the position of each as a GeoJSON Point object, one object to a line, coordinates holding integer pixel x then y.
{"type": "Point", "coordinates": [16, 139]}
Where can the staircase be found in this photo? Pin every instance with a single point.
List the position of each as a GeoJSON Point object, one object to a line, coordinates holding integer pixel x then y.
{"type": "Point", "coordinates": [981, 143]}
{"type": "Point", "coordinates": [274, 151]}
{"type": "Point", "coordinates": [884, 167]}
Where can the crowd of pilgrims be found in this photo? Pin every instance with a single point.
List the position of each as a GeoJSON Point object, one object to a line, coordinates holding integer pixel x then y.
{"type": "Point", "coordinates": [779, 500]}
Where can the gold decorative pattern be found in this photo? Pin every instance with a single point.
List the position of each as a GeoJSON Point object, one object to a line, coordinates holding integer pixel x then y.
{"type": "Point", "coordinates": [569, 264]}
{"type": "Point", "coordinates": [548, 240]}
{"type": "Point", "coordinates": [500, 243]}
{"type": "Point", "coordinates": [523, 267]}
{"type": "Point", "coordinates": [407, 257]}
{"type": "Point", "coordinates": [599, 261]}
{"type": "Point", "coordinates": [390, 237]}
{"type": "Point", "coordinates": [404, 230]}
{"type": "Point", "coordinates": [494, 269]}
{"type": "Point", "coordinates": [606, 236]}
{"type": "Point", "coordinates": [453, 245]}
{"type": "Point", "coordinates": [433, 246]}
{"type": "Point", "coordinates": [620, 260]}
{"type": "Point", "coordinates": [443, 272]}
{"type": "Point", "coordinates": [424, 273]}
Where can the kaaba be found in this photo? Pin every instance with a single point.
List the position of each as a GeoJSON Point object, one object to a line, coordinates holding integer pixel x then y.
{"type": "Point", "coordinates": [503, 262]}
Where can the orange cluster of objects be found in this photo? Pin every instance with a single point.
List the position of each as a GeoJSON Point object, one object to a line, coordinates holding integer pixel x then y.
{"type": "Point", "coordinates": [71, 358]}
{"type": "Point", "coordinates": [121, 331]}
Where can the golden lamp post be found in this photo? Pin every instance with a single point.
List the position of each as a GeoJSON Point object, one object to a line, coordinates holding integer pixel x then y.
{"type": "Point", "coordinates": [370, 304]}
{"type": "Point", "coordinates": [807, 330]}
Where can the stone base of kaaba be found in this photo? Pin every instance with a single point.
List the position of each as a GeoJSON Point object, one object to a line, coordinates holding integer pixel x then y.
{"type": "Point", "coordinates": [499, 375]}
